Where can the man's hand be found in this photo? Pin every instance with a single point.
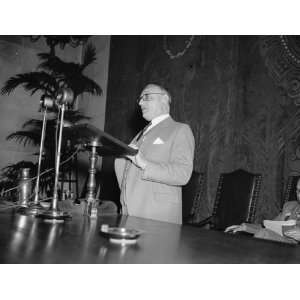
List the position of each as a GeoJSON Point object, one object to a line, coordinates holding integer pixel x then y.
{"type": "Point", "coordinates": [137, 159]}
{"type": "Point", "coordinates": [236, 228]}
{"type": "Point", "coordinates": [293, 233]}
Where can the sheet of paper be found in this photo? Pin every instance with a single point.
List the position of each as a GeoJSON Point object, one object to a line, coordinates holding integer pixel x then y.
{"type": "Point", "coordinates": [276, 226]}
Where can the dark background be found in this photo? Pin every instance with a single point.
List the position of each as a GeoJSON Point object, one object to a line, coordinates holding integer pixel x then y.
{"type": "Point", "coordinates": [238, 94]}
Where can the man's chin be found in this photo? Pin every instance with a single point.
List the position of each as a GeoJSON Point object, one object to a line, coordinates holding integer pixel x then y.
{"type": "Point", "coordinates": [146, 117]}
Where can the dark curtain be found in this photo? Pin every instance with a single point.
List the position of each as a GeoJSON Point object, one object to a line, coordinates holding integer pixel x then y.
{"type": "Point", "coordinates": [241, 111]}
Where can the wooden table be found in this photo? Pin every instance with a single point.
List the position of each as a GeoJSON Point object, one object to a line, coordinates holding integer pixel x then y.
{"type": "Point", "coordinates": [26, 239]}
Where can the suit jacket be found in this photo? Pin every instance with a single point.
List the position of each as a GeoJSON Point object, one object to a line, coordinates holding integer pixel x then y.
{"type": "Point", "coordinates": [289, 211]}
{"type": "Point", "coordinates": [155, 192]}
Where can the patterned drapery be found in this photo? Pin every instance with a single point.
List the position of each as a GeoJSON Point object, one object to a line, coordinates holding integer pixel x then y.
{"type": "Point", "coordinates": [237, 94]}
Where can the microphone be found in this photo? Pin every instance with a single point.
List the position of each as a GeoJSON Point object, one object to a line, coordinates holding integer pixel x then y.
{"type": "Point", "coordinates": [65, 96]}
{"type": "Point", "coordinates": [46, 102]}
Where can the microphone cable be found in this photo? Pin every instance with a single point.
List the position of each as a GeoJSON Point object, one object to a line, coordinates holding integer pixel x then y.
{"type": "Point", "coordinates": [43, 173]}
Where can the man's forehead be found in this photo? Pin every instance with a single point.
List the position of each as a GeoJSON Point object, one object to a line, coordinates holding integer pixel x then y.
{"type": "Point", "coordinates": [151, 89]}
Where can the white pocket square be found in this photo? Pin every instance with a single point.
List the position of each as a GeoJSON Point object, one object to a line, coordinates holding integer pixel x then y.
{"type": "Point", "coordinates": [158, 141]}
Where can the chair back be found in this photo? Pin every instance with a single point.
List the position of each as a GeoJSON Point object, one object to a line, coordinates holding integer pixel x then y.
{"type": "Point", "coordinates": [236, 199]}
{"type": "Point", "coordinates": [290, 190]}
{"type": "Point", "coordinates": [191, 196]}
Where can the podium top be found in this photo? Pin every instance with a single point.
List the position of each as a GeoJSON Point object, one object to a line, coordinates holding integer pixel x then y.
{"type": "Point", "coordinates": [106, 144]}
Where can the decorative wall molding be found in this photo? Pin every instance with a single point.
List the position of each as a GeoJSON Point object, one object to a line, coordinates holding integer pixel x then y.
{"type": "Point", "coordinates": [188, 43]}
{"type": "Point", "coordinates": [282, 58]}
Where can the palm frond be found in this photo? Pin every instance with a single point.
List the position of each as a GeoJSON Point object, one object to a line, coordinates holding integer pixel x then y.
{"type": "Point", "coordinates": [55, 65]}
{"type": "Point", "coordinates": [81, 84]}
{"type": "Point", "coordinates": [71, 74]}
{"type": "Point", "coordinates": [75, 116]}
{"type": "Point", "coordinates": [72, 116]}
{"type": "Point", "coordinates": [32, 81]}
{"type": "Point", "coordinates": [90, 86]}
{"type": "Point", "coordinates": [33, 123]}
{"type": "Point", "coordinates": [38, 123]}
{"type": "Point", "coordinates": [26, 137]}
{"type": "Point", "coordinates": [89, 56]}
{"type": "Point", "coordinates": [10, 170]}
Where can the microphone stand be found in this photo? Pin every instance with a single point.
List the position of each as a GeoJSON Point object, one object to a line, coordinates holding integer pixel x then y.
{"type": "Point", "coordinates": [35, 207]}
{"type": "Point", "coordinates": [54, 213]}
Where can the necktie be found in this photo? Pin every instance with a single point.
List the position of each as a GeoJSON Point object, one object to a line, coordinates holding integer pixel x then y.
{"type": "Point", "coordinates": [125, 173]}
{"type": "Point", "coordinates": [143, 132]}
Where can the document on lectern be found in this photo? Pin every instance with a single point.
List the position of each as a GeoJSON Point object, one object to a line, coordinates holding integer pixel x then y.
{"type": "Point", "coordinates": [107, 144]}
{"type": "Point", "coordinates": [277, 226]}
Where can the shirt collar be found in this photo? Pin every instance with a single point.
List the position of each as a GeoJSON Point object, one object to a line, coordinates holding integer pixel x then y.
{"type": "Point", "coordinates": [158, 119]}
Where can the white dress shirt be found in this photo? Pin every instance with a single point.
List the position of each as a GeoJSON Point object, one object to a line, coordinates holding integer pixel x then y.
{"type": "Point", "coordinates": [155, 121]}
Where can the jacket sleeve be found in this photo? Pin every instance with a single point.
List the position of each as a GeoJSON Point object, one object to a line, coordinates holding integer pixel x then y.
{"type": "Point", "coordinates": [120, 164]}
{"type": "Point", "coordinates": [286, 210]}
{"type": "Point", "coordinates": [119, 169]}
{"type": "Point", "coordinates": [178, 169]}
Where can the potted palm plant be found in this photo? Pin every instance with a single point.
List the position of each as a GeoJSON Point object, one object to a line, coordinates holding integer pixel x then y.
{"type": "Point", "coordinates": [51, 75]}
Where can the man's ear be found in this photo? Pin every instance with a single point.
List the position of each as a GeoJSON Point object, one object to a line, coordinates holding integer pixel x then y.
{"type": "Point", "coordinates": [165, 99]}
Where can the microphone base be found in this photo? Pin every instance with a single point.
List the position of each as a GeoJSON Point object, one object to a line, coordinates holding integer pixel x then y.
{"type": "Point", "coordinates": [31, 210]}
{"type": "Point", "coordinates": [54, 215]}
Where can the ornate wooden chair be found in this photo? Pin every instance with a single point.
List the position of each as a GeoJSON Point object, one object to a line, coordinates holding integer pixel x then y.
{"type": "Point", "coordinates": [236, 199]}
{"type": "Point", "coordinates": [290, 190]}
{"type": "Point", "coordinates": [191, 196]}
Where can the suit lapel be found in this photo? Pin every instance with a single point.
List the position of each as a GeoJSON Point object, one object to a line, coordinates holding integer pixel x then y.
{"type": "Point", "coordinates": [165, 123]}
{"type": "Point", "coordinates": [161, 130]}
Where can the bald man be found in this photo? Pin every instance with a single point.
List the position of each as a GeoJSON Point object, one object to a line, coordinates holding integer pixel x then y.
{"type": "Point", "coordinates": [151, 181]}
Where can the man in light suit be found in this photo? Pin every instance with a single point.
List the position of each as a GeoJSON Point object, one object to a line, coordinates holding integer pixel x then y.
{"type": "Point", "coordinates": [151, 181]}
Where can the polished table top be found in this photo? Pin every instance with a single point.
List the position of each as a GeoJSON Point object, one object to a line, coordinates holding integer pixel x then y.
{"type": "Point", "coordinates": [26, 239]}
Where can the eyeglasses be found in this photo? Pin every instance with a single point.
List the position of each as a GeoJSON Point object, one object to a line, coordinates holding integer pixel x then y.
{"type": "Point", "coordinates": [145, 97]}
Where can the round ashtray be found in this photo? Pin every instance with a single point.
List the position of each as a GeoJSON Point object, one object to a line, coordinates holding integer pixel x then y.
{"type": "Point", "coordinates": [120, 235]}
